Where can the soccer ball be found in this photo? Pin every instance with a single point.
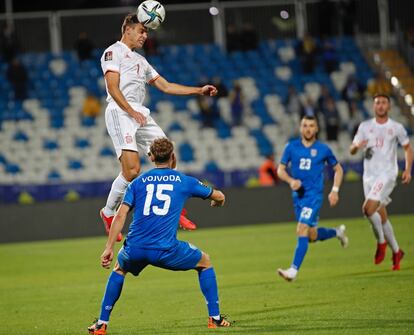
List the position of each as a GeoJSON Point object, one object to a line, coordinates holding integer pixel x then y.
{"type": "Point", "coordinates": [151, 14]}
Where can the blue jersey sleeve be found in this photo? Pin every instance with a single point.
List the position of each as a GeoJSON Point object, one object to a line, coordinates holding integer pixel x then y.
{"type": "Point", "coordinates": [330, 157]}
{"type": "Point", "coordinates": [197, 189]}
{"type": "Point", "coordinates": [287, 155]}
{"type": "Point", "coordinates": [129, 197]}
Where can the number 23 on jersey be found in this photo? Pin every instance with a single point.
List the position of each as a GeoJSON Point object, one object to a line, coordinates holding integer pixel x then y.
{"type": "Point", "coordinates": [305, 164]}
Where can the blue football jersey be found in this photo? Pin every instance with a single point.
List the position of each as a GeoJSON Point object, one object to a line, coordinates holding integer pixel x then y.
{"type": "Point", "coordinates": [307, 164]}
{"type": "Point", "coordinates": [157, 198]}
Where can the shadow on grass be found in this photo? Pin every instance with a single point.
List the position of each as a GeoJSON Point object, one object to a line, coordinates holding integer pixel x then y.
{"type": "Point", "coordinates": [377, 273]}
{"type": "Point", "coordinates": [325, 325]}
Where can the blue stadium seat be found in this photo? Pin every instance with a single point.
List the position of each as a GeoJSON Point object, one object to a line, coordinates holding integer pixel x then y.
{"type": "Point", "coordinates": [74, 164]}
{"type": "Point", "coordinates": [54, 176]}
{"type": "Point", "coordinates": [50, 145]}
{"type": "Point", "coordinates": [12, 168]}
{"type": "Point", "coordinates": [21, 136]}
{"type": "Point", "coordinates": [186, 152]}
{"type": "Point", "coordinates": [106, 151]}
{"type": "Point", "coordinates": [82, 143]}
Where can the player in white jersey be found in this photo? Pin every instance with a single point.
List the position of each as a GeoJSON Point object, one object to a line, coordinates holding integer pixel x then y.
{"type": "Point", "coordinates": [379, 138]}
{"type": "Point", "coordinates": [129, 123]}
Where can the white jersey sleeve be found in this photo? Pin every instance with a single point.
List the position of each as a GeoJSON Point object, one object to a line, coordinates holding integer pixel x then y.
{"type": "Point", "coordinates": [360, 134]}
{"type": "Point", "coordinates": [402, 135]}
{"type": "Point", "coordinates": [111, 60]}
{"type": "Point", "coordinates": [150, 73]}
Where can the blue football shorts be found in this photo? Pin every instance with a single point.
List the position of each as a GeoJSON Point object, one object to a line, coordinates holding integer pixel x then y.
{"type": "Point", "coordinates": [182, 256]}
{"type": "Point", "coordinates": [307, 210]}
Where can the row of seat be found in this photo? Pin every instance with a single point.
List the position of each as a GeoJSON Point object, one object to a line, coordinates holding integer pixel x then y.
{"type": "Point", "coordinates": [49, 140]}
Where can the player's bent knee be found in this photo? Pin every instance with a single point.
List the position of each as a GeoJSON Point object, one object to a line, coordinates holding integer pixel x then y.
{"type": "Point", "coordinates": [204, 262]}
{"type": "Point", "coordinates": [368, 211]}
{"type": "Point", "coordinates": [118, 270]}
{"type": "Point", "coordinates": [131, 174]}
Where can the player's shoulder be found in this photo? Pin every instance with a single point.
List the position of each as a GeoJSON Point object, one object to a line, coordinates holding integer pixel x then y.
{"type": "Point", "coordinates": [367, 123]}
{"type": "Point", "coordinates": [395, 123]}
{"type": "Point", "coordinates": [113, 47]}
{"type": "Point", "coordinates": [322, 145]}
{"type": "Point", "coordinates": [294, 142]}
{"type": "Point", "coordinates": [140, 57]}
{"type": "Point", "coordinates": [109, 52]}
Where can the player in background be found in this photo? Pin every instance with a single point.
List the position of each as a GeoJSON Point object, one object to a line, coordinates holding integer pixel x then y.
{"type": "Point", "coordinates": [379, 138]}
{"type": "Point", "coordinates": [157, 198]}
{"type": "Point", "coordinates": [129, 123]}
{"type": "Point", "coordinates": [307, 157]}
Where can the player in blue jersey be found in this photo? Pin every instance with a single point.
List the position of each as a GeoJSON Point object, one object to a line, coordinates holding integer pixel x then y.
{"type": "Point", "coordinates": [307, 158]}
{"type": "Point", "coordinates": [156, 199]}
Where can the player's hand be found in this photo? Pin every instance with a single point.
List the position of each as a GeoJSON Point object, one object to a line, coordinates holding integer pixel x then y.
{"type": "Point", "coordinates": [209, 90]}
{"type": "Point", "coordinates": [106, 258]}
{"type": "Point", "coordinates": [215, 203]}
{"type": "Point", "coordinates": [139, 118]}
{"type": "Point", "coordinates": [295, 184]}
{"type": "Point", "coordinates": [333, 198]}
{"type": "Point", "coordinates": [406, 177]}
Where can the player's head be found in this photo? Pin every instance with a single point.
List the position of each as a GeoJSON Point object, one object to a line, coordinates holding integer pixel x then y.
{"type": "Point", "coordinates": [134, 34]}
{"type": "Point", "coordinates": [382, 105]}
{"type": "Point", "coordinates": [162, 152]}
{"type": "Point", "coordinates": [309, 128]}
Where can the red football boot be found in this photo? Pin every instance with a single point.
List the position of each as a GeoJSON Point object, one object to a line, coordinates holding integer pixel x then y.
{"type": "Point", "coordinates": [223, 322]}
{"type": "Point", "coordinates": [396, 259]}
{"type": "Point", "coordinates": [185, 223]}
{"type": "Point", "coordinates": [107, 221]}
{"type": "Point", "coordinates": [97, 329]}
{"type": "Point", "coordinates": [380, 253]}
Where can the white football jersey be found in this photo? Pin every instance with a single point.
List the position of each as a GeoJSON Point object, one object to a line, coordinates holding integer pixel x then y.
{"type": "Point", "coordinates": [383, 140]}
{"type": "Point", "coordinates": [134, 70]}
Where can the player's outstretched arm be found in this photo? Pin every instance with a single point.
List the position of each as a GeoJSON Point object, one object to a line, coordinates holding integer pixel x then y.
{"type": "Point", "coordinates": [356, 146]}
{"type": "Point", "coordinates": [294, 184]}
{"type": "Point", "coordinates": [217, 199]}
{"type": "Point", "coordinates": [112, 82]}
{"type": "Point", "coordinates": [171, 88]}
{"type": "Point", "coordinates": [333, 196]}
{"type": "Point", "coordinates": [116, 228]}
{"type": "Point", "coordinates": [406, 175]}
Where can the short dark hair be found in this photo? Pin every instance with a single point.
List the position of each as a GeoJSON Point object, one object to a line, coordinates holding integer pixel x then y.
{"type": "Point", "coordinates": [161, 149]}
{"type": "Point", "coordinates": [381, 95]}
{"type": "Point", "coordinates": [310, 117]}
{"type": "Point", "coordinates": [129, 20]}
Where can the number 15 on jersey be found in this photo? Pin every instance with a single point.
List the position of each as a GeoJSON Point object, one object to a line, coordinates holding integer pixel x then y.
{"type": "Point", "coordinates": [161, 196]}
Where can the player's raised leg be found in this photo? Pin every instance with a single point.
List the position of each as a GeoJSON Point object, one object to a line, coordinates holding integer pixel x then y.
{"type": "Point", "coordinates": [208, 285]}
{"type": "Point", "coordinates": [130, 166]}
{"type": "Point", "coordinates": [185, 222]}
{"type": "Point", "coordinates": [323, 234]}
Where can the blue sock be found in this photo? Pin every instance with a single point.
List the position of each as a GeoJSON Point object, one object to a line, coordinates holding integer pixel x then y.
{"type": "Point", "coordinates": [208, 285]}
{"type": "Point", "coordinates": [300, 252]}
{"type": "Point", "coordinates": [112, 293]}
{"type": "Point", "coordinates": [325, 233]}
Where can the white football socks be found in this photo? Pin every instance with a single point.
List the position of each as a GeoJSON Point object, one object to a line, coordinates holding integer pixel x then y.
{"type": "Point", "coordinates": [390, 237]}
{"type": "Point", "coordinates": [376, 224]}
{"type": "Point", "coordinates": [115, 195]}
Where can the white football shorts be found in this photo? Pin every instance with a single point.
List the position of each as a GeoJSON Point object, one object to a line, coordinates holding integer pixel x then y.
{"type": "Point", "coordinates": [379, 188]}
{"type": "Point", "coordinates": [127, 134]}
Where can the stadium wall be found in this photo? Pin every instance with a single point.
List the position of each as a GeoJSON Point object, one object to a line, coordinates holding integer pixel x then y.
{"type": "Point", "coordinates": [59, 220]}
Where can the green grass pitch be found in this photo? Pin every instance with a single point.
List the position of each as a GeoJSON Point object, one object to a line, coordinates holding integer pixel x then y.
{"type": "Point", "coordinates": [56, 287]}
